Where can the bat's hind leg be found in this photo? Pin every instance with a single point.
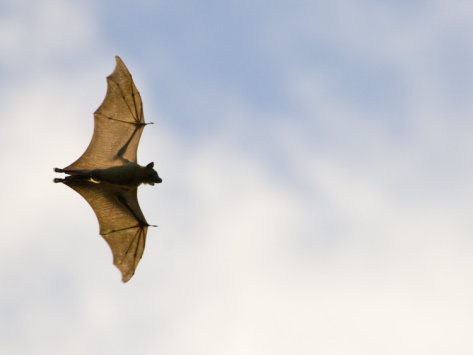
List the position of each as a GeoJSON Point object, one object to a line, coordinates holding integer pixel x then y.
{"type": "Point", "coordinates": [73, 172]}
{"type": "Point", "coordinates": [78, 174]}
{"type": "Point", "coordinates": [70, 178]}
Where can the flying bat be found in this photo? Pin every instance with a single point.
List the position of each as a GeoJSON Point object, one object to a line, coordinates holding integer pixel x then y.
{"type": "Point", "coordinates": [107, 175]}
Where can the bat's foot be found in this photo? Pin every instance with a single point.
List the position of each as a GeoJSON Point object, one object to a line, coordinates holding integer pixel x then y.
{"type": "Point", "coordinates": [59, 180]}
{"type": "Point", "coordinates": [57, 170]}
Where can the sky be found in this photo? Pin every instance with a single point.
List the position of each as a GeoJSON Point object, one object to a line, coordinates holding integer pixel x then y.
{"type": "Point", "coordinates": [316, 165]}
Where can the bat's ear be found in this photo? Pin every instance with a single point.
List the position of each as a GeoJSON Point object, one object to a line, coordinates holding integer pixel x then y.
{"type": "Point", "coordinates": [150, 175]}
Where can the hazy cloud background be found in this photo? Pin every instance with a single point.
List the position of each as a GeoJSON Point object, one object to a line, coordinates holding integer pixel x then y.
{"type": "Point", "coordinates": [316, 158]}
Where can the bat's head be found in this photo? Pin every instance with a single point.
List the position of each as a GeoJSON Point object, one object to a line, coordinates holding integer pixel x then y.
{"type": "Point", "coordinates": [151, 176]}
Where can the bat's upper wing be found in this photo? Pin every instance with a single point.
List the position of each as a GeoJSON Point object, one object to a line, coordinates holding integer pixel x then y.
{"type": "Point", "coordinates": [121, 221]}
{"type": "Point", "coordinates": [119, 122]}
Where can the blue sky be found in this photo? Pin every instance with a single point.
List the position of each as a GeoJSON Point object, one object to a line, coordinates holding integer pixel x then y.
{"type": "Point", "coordinates": [316, 159]}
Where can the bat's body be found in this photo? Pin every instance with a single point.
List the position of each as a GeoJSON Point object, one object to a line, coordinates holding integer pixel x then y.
{"type": "Point", "coordinates": [107, 175]}
{"type": "Point", "coordinates": [129, 174]}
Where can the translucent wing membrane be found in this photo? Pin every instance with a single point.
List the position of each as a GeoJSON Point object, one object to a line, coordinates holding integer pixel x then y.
{"type": "Point", "coordinates": [119, 123]}
{"type": "Point", "coordinates": [121, 221]}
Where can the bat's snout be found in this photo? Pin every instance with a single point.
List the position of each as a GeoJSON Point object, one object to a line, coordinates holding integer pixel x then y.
{"type": "Point", "coordinates": [155, 180]}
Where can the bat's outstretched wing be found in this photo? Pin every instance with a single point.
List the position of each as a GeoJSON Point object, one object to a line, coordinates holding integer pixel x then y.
{"type": "Point", "coordinates": [121, 221]}
{"type": "Point", "coordinates": [119, 122]}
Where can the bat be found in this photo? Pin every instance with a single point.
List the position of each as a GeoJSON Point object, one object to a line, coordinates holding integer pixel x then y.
{"type": "Point", "coordinates": [107, 175]}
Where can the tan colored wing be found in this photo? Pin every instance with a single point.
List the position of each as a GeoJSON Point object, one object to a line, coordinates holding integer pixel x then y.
{"type": "Point", "coordinates": [119, 122]}
{"type": "Point", "coordinates": [121, 221]}
{"type": "Point", "coordinates": [127, 246]}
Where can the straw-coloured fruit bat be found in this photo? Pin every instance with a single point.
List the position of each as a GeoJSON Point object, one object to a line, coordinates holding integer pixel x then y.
{"type": "Point", "coordinates": [107, 175]}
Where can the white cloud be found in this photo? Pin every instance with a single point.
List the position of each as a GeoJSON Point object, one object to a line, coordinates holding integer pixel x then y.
{"type": "Point", "coordinates": [35, 32]}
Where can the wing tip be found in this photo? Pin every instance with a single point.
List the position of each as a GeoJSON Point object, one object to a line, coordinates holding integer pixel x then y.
{"type": "Point", "coordinates": [118, 60]}
{"type": "Point", "coordinates": [120, 69]}
{"type": "Point", "coordinates": [126, 278]}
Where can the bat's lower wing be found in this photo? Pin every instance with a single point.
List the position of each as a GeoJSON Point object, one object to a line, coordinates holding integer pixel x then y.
{"type": "Point", "coordinates": [121, 221]}
{"type": "Point", "coordinates": [119, 123]}
{"type": "Point", "coordinates": [127, 246]}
